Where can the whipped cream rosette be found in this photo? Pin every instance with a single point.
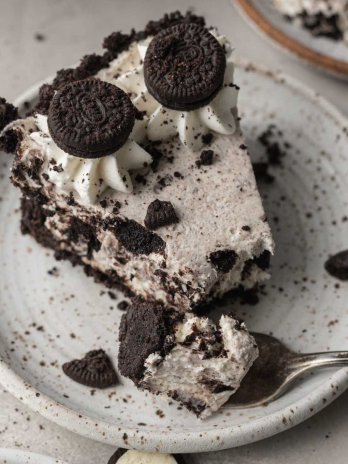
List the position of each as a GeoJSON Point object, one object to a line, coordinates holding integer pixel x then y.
{"type": "Point", "coordinates": [87, 140]}
{"type": "Point", "coordinates": [218, 115]}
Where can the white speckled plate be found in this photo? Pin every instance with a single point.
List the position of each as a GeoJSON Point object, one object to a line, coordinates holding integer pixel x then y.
{"type": "Point", "coordinates": [46, 320]}
{"type": "Point", "coordinates": [12, 456]}
{"type": "Point", "coordinates": [329, 55]}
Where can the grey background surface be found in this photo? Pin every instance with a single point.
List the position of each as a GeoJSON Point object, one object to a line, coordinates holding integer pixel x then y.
{"type": "Point", "coordinates": [72, 28]}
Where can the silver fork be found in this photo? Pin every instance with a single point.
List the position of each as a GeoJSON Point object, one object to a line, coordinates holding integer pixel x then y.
{"type": "Point", "coordinates": [277, 369]}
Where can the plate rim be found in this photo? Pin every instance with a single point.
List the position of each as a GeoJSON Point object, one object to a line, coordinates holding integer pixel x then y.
{"type": "Point", "coordinates": [186, 442]}
{"type": "Point", "coordinates": [334, 66]}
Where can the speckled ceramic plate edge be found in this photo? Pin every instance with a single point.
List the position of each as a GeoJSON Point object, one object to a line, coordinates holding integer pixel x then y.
{"type": "Point", "coordinates": [323, 62]}
{"type": "Point", "coordinates": [14, 456]}
{"type": "Point", "coordinates": [213, 440]}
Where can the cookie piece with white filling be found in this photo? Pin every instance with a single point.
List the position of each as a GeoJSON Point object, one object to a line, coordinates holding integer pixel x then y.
{"type": "Point", "coordinates": [186, 357]}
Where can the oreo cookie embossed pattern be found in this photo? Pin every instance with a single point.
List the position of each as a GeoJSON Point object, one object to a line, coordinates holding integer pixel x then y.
{"type": "Point", "coordinates": [90, 118]}
{"type": "Point", "coordinates": [94, 370]}
{"type": "Point", "coordinates": [184, 67]}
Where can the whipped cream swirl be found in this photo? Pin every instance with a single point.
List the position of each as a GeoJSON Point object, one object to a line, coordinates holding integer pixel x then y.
{"type": "Point", "coordinates": [163, 123]}
{"type": "Point", "coordinates": [89, 178]}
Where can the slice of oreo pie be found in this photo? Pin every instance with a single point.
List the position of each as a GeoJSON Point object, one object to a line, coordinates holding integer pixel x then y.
{"type": "Point", "coordinates": [90, 118]}
{"type": "Point", "coordinates": [184, 67]}
{"type": "Point", "coordinates": [178, 247]}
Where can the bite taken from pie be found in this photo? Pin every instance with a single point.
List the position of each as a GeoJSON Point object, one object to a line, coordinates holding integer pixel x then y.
{"type": "Point", "coordinates": [191, 359]}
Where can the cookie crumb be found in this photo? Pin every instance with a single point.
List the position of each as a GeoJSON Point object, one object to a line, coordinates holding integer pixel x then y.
{"type": "Point", "coordinates": [159, 214]}
{"type": "Point", "coordinates": [207, 138]}
{"type": "Point", "coordinates": [223, 260]}
{"type": "Point", "coordinates": [123, 305]}
{"type": "Point", "coordinates": [337, 265]}
{"type": "Point", "coordinates": [39, 37]}
{"type": "Point", "coordinates": [206, 158]}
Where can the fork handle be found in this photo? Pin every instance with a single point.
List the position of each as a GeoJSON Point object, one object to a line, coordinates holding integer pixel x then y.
{"type": "Point", "coordinates": [319, 360]}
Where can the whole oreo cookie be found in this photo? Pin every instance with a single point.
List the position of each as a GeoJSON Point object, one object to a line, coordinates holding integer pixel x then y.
{"type": "Point", "coordinates": [90, 118]}
{"type": "Point", "coordinates": [184, 67]}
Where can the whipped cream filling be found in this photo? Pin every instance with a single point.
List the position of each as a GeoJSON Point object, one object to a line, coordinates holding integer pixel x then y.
{"type": "Point", "coordinates": [219, 116]}
{"type": "Point", "coordinates": [89, 178]}
{"type": "Point", "coordinates": [191, 277]}
{"type": "Point", "coordinates": [192, 369]}
{"type": "Point", "coordinates": [184, 329]}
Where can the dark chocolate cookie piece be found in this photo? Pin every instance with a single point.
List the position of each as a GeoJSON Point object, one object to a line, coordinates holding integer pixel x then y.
{"type": "Point", "coordinates": [206, 158]}
{"type": "Point", "coordinates": [143, 331]}
{"type": "Point", "coordinates": [8, 113]}
{"type": "Point", "coordinates": [223, 260]}
{"type": "Point", "coordinates": [94, 370]}
{"type": "Point", "coordinates": [90, 118]}
{"type": "Point", "coordinates": [261, 172]}
{"type": "Point", "coordinates": [136, 239]}
{"type": "Point", "coordinates": [184, 67]}
{"type": "Point", "coordinates": [10, 140]}
{"type": "Point", "coordinates": [263, 261]}
{"type": "Point", "coordinates": [337, 265]}
{"type": "Point", "coordinates": [160, 213]}
{"type": "Point", "coordinates": [321, 25]}
{"type": "Point", "coordinates": [89, 66]}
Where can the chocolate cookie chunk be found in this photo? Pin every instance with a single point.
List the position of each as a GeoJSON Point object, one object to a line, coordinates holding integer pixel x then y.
{"type": "Point", "coordinates": [8, 113]}
{"type": "Point", "coordinates": [184, 67]}
{"type": "Point", "coordinates": [136, 239]}
{"type": "Point", "coordinates": [160, 213]}
{"type": "Point", "coordinates": [206, 158]}
{"type": "Point", "coordinates": [90, 118]}
{"type": "Point", "coordinates": [10, 140]}
{"type": "Point", "coordinates": [337, 265]}
{"type": "Point", "coordinates": [263, 261]}
{"type": "Point", "coordinates": [143, 331]}
{"type": "Point", "coordinates": [322, 25]}
{"type": "Point", "coordinates": [223, 260]}
{"type": "Point", "coordinates": [261, 172]}
{"type": "Point", "coordinates": [94, 370]}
